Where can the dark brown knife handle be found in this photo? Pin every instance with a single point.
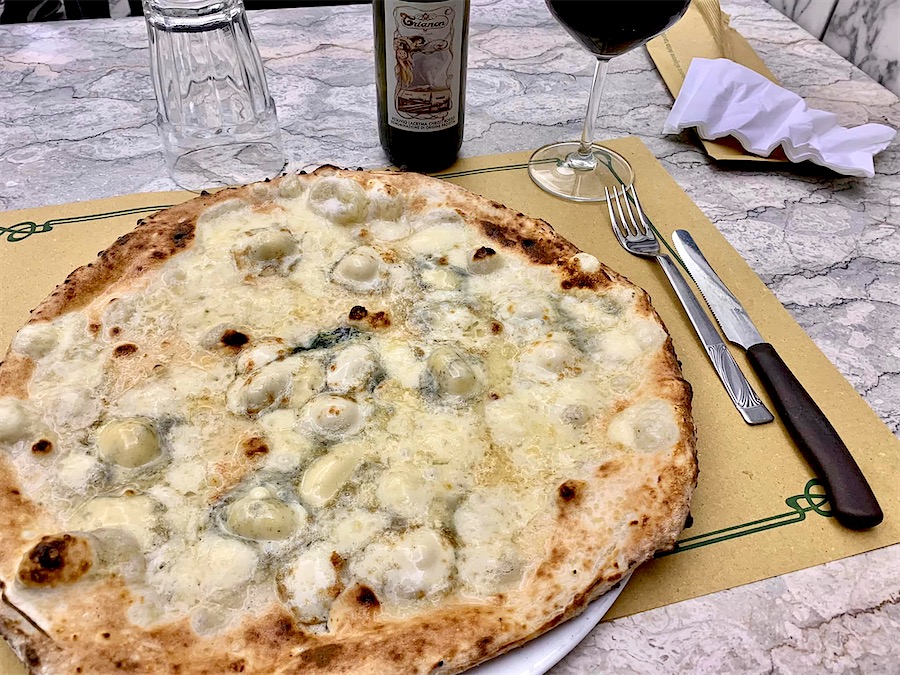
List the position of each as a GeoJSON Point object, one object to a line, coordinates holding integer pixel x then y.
{"type": "Point", "coordinates": [852, 500]}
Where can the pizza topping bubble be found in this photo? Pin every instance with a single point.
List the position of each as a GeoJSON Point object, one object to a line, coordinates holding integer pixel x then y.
{"type": "Point", "coordinates": [357, 529]}
{"type": "Point", "coordinates": [452, 373]}
{"type": "Point", "coordinates": [262, 391]}
{"type": "Point", "coordinates": [385, 203]}
{"type": "Point", "coordinates": [211, 568]}
{"type": "Point", "coordinates": [129, 443]}
{"type": "Point", "coordinates": [309, 584]}
{"type": "Point", "coordinates": [36, 340]}
{"type": "Point", "coordinates": [259, 514]}
{"type": "Point", "coordinates": [328, 474]}
{"type": "Point", "coordinates": [404, 491]}
{"type": "Point", "coordinates": [359, 269]}
{"type": "Point", "coordinates": [117, 551]}
{"type": "Point", "coordinates": [411, 566]}
{"type": "Point", "coordinates": [290, 186]}
{"type": "Point", "coordinates": [13, 420]}
{"type": "Point", "coordinates": [489, 568]}
{"type": "Point", "coordinates": [441, 279]}
{"type": "Point", "coordinates": [137, 514]}
{"type": "Point", "coordinates": [352, 369]}
{"type": "Point", "coordinates": [484, 260]}
{"type": "Point", "coordinates": [436, 241]}
{"type": "Point", "coordinates": [333, 416]}
{"type": "Point", "coordinates": [587, 262]}
{"type": "Point", "coordinates": [648, 426]}
{"type": "Point", "coordinates": [339, 200]}
{"type": "Point", "coordinates": [261, 354]}
{"type": "Point", "coordinates": [267, 251]}
{"type": "Point", "coordinates": [551, 356]}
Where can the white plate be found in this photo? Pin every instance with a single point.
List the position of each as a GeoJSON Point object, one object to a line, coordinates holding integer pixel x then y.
{"type": "Point", "coordinates": [541, 654]}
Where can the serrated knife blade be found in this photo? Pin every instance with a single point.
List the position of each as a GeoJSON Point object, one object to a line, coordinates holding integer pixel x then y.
{"type": "Point", "coordinates": [852, 500]}
{"type": "Point", "coordinates": [729, 312]}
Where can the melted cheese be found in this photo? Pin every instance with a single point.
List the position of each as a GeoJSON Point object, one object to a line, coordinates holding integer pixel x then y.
{"type": "Point", "coordinates": [415, 565]}
{"type": "Point", "coordinates": [356, 530]}
{"type": "Point", "coordinates": [649, 426]}
{"type": "Point", "coordinates": [308, 585]}
{"type": "Point", "coordinates": [340, 200]}
{"type": "Point", "coordinates": [13, 420]}
{"type": "Point", "coordinates": [259, 514]}
{"type": "Point", "coordinates": [328, 474]}
{"type": "Point", "coordinates": [412, 450]}
{"type": "Point", "coordinates": [212, 567]}
{"type": "Point", "coordinates": [489, 568]}
{"type": "Point", "coordinates": [137, 515]}
{"type": "Point", "coordinates": [36, 340]}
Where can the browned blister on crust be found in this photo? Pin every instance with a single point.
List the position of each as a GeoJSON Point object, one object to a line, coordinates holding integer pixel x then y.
{"type": "Point", "coordinates": [594, 542]}
{"type": "Point", "coordinates": [56, 559]}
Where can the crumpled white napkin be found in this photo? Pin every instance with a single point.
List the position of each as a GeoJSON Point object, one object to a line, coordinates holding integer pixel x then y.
{"type": "Point", "coordinates": [723, 98]}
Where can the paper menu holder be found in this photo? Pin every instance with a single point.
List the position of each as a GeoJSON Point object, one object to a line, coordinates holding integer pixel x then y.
{"type": "Point", "coordinates": [704, 32]}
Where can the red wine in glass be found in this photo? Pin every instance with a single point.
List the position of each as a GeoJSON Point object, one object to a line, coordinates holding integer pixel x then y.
{"type": "Point", "coordinates": [609, 28]}
{"type": "Point", "coordinates": [580, 170]}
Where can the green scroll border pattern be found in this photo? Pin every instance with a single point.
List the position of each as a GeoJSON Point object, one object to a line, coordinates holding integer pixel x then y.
{"type": "Point", "coordinates": [812, 499]}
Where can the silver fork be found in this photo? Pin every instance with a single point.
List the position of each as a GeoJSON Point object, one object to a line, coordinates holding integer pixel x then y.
{"type": "Point", "coordinates": [638, 238]}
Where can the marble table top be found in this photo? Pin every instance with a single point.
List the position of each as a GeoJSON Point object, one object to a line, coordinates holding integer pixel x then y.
{"type": "Point", "coordinates": [77, 122]}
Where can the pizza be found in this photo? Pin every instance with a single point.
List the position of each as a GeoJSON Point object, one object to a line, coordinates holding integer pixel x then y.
{"type": "Point", "coordinates": [339, 422]}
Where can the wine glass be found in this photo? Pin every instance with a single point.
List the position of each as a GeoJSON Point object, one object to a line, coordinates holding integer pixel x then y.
{"type": "Point", "coordinates": [580, 170]}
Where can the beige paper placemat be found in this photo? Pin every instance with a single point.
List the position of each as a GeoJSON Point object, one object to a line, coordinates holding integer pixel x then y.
{"type": "Point", "coordinates": [697, 36]}
{"type": "Point", "coordinates": [756, 512]}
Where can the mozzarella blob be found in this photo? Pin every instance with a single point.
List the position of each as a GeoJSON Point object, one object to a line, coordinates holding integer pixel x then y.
{"type": "Point", "coordinates": [260, 515]}
{"type": "Point", "coordinates": [13, 420]}
{"type": "Point", "coordinates": [359, 269]}
{"type": "Point", "coordinates": [452, 373]}
{"type": "Point", "coordinates": [340, 200]}
{"type": "Point", "coordinates": [263, 390]}
{"type": "Point", "coordinates": [309, 584]}
{"type": "Point", "coordinates": [333, 417]}
{"type": "Point", "coordinates": [404, 491]}
{"type": "Point", "coordinates": [270, 249]}
{"type": "Point", "coordinates": [137, 514]}
{"type": "Point", "coordinates": [351, 370]}
{"type": "Point", "coordinates": [648, 426]}
{"type": "Point", "coordinates": [36, 340]}
{"type": "Point", "coordinates": [415, 565]}
{"type": "Point", "coordinates": [130, 443]}
{"type": "Point", "coordinates": [324, 478]}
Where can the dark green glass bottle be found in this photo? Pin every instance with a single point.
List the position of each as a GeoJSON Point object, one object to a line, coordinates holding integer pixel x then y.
{"type": "Point", "coordinates": [420, 73]}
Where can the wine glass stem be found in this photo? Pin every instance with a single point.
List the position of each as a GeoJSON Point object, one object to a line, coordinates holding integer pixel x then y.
{"type": "Point", "coordinates": [584, 158]}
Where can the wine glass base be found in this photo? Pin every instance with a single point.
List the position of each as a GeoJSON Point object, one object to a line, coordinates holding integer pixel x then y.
{"type": "Point", "coordinates": [556, 171]}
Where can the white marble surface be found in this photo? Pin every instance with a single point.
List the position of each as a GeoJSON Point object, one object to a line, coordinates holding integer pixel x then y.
{"type": "Point", "coordinates": [867, 33]}
{"type": "Point", "coordinates": [813, 15]}
{"type": "Point", "coordinates": [76, 122]}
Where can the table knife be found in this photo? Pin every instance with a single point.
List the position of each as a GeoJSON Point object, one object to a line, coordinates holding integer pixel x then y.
{"type": "Point", "coordinates": [852, 501]}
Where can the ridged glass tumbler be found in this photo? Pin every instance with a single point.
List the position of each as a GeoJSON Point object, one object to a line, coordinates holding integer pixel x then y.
{"type": "Point", "coordinates": [216, 118]}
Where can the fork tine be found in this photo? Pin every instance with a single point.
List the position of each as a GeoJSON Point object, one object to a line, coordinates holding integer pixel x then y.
{"type": "Point", "coordinates": [612, 216]}
{"type": "Point", "coordinates": [640, 211]}
{"type": "Point", "coordinates": [623, 223]}
{"type": "Point", "coordinates": [633, 222]}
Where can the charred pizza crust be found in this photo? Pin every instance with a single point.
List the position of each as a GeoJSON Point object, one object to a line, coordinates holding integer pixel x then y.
{"type": "Point", "coordinates": [601, 522]}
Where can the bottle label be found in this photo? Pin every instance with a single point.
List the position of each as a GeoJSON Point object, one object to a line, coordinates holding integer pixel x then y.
{"type": "Point", "coordinates": [423, 59]}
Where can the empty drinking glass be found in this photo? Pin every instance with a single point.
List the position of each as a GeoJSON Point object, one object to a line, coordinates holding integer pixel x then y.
{"type": "Point", "coordinates": [216, 118]}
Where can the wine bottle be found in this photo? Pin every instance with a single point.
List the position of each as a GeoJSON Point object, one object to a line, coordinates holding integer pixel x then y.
{"type": "Point", "coordinates": [420, 69]}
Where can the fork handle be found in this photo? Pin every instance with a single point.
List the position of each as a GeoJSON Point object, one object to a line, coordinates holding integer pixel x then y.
{"type": "Point", "coordinates": [745, 399]}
